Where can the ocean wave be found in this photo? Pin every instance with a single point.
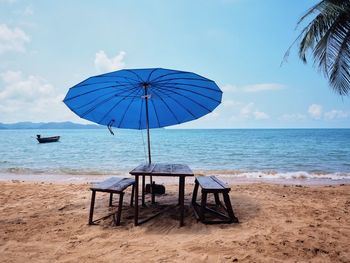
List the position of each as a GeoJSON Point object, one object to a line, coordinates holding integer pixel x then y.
{"type": "Point", "coordinates": [276, 174]}
{"type": "Point", "coordinates": [61, 171]}
{"type": "Point", "coordinates": [271, 174]}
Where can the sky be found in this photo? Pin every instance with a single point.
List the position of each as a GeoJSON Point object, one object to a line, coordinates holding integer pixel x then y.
{"type": "Point", "coordinates": [47, 46]}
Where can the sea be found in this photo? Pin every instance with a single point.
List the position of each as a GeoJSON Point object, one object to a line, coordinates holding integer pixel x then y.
{"type": "Point", "coordinates": [272, 154]}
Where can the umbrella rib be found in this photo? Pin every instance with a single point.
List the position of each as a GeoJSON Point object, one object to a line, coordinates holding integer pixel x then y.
{"type": "Point", "coordinates": [127, 108]}
{"type": "Point", "coordinates": [97, 105]}
{"type": "Point", "coordinates": [140, 114]}
{"type": "Point", "coordinates": [191, 85]}
{"type": "Point", "coordinates": [122, 77]}
{"type": "Point", "coordinates": [170, 73]}
{"type": "Point", "coordinates": [94, 100]}
{"type": "Point", "coordinates": [106, 75]}
{"type": "Point", "coordinates": [184, 78]}
{"type": "Point", "coordinates": [132, 84]}
{"type": "Point", "coordinates": [104, 82]}
{"type": "Point", "coordinates": [155, 111]}
{"type": "Point", "coordinates": [137, 75]}
{"type": "Point", "coordinates": [115, 105]}
{"type": "Point", "coordinates": [131, 81]}
{"type": "Point", "coordinates": [101, 76]}
{"type": "Point", "coordinates": [171, 111]}
{"type": "Point", "coordinates": [91, 91]}
{"type": "Point", "coordinates": [182, 106]}
{"type": "Point", "coordinates": [171, 88]}
{"type": "Point", "coordinates": [88, 92]}
{"type": "Point", "coordinates": [100, 103]}
{"type": "Point", "coordinates": [150, 74]}
{"type": "Point", "coordinates": [196, 102]}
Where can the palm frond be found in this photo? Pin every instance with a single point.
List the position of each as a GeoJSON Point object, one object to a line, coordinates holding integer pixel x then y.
{"type": "Point", "coordinates": [328, 37]}
{"type": "Point", "coordinates": [339, 70]}
{"type": "Point", "coordinates": [321, 50]}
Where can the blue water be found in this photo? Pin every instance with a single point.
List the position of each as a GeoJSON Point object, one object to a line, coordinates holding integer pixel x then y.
{"type": "Point", "coordinates": [281, 153]}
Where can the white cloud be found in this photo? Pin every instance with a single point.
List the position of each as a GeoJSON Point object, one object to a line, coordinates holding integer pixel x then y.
{"type": "Point", "coordinates": [247, 109]}
{"type": "Point", "coordinates": [30, 98]}
{"type": "Point", "coordinates": [315, 111]}
{"type": "Point", "coordinates": [12, 39]}
{"type": "Point", "coordinates": [105, 64]}
{"type": "Point", "coordinates": [23, 89]}
{"type": "Point", "coordinates": [259, 115]}
{"type": "Point", "coordinates": [253, 87]}
{"type": "Point", "coordinates": [336, 114]}
{"type": "Point", "coordinates": [229, 103]}
{"type": "Point", "coordinates": [229, 88]}
{"type": "Point", "coordinates": [250, 111]}
{"type": "Point", "coordinates": [263, 87]}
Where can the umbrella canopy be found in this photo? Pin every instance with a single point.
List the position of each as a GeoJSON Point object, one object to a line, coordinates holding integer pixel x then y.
{"type": "Point", "coordinates": [143, 98]}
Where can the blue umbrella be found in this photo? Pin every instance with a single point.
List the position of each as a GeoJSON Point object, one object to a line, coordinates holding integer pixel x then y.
{"type": "Point", "coordinates": [143, 98]}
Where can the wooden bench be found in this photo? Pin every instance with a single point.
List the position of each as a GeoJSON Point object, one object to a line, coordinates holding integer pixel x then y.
{"type": "Point", "coordinates": [222, 213]}
{"type": "Point", "coordinates": [113, 185]}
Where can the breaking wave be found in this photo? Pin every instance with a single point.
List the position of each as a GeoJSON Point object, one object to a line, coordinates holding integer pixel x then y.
{"type": "Point", "coordinates": [223, 173]}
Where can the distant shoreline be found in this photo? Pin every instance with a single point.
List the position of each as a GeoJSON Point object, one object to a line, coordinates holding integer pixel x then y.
{"type": "Point", "coordinates": [26, 125]}
{"type": "Point", "coordinates": [47, 125]}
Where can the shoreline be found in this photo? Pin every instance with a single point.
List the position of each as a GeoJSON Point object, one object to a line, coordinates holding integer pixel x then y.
{"type": "Point", "coordinates": [235, 180]}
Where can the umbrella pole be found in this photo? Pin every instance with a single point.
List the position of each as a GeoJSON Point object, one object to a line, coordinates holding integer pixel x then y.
{"type": "Point", "coordinates": [147, 126]}
{"type": "Point", "coordinates": [149, 144]}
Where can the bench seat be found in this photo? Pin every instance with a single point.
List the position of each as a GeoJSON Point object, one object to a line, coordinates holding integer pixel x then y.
{"type": "Point", "coordinates": [213, 185]}
{"type": "Point", "coordinates": [113, 185]}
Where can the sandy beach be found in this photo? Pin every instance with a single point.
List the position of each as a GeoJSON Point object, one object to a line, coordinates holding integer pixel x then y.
{"type": "Point", "coordinates": [47, 222]}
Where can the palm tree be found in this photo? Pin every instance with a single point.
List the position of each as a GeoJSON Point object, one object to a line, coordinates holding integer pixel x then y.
{"type": "Point", "coordinates": [328, 37]}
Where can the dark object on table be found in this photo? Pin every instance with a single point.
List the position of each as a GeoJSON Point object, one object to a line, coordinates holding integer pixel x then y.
{"type": "Point", "coordinates": [211, 184]}
{"type": "Point", "coordinates": [158, 189]}
{"type": "Point", "coordinates": [47, 139]}
{"type": "Point", "coordinates": [113, 185]}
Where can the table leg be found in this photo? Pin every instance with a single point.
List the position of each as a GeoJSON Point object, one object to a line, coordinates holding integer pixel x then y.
{"type": "Point", "coordinates": [92, 205]}
{"type": "Point", "coordinates": [136, 215]}
{"type": "Point", "coordinates": [153, 196]}
{"type": "Point", "coordinates": [179, 199]}
{"type": "Point", "coordinates": [143, 190]}
{"type": "Point", "coordinates": [182, 199]}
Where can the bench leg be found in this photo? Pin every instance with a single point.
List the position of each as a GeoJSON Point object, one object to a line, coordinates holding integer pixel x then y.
{"type": "Point", "coordinates": [217, 199]}
{"type": "Point", "coordinates": [229, 208]}
{"type": "Point", "coordinates": [195, 192]}
{"type": "Point", "coordinates": [92, 205]}
{"type": "Point", "coordinates": [182, 199]}
{"type": "Point", "coordinates": [143, 190]}
{"type": "Point", "coordinates": [132, 195]}
{"type": "Point", "coordinates": [203, 205]}
{"type": "Point", "coordinates": [136, 214]}
{"type": "Point", "coordinates": [153, 196]}
{"type": "Point", "coordinates": [120, 206]}
{"type": "Point", "coordinates": [110, 199]}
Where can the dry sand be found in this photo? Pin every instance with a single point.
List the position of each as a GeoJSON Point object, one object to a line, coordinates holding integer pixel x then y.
{"type": "Point", "coordinates": [44, 222]}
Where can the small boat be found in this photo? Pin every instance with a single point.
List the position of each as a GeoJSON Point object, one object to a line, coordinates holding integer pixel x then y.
{"type": "Point", "coordinates": [47, 139]}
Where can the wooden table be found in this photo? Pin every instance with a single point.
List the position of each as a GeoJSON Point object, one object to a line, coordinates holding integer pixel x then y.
{"type": "Point", "coordinates": [166, 170]}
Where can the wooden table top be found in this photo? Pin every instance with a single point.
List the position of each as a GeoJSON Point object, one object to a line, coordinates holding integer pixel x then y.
{"type": "Point", "coordinates": [158, 169]}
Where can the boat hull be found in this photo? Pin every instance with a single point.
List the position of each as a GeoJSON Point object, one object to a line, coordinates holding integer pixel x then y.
{"type": "Point", "coordinates": [48, 139]}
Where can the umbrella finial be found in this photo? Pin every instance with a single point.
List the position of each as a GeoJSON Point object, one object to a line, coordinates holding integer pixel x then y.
{"type": "Point", "coordinates": [146, 85]}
